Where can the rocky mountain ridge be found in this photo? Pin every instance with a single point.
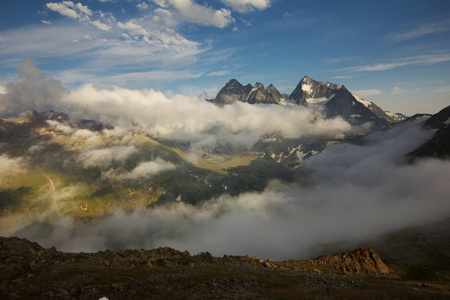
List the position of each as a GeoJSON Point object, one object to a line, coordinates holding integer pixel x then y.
{"type": "Point", "coordinates": [234, 91]}
{"type": "Point", "coordinates": [28, 270]}
{"type": "Point", "coordinates": [336, 99]}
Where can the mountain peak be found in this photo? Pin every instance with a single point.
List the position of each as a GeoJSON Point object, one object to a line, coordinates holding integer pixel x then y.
{"type": "Point", "coordinates": [308, 88]}
{"type": "Point", "coordinates": [305, 79]}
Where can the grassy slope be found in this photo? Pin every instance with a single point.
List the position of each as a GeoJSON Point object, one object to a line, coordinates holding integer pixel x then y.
{"type": "Point", "coordinates": [53, 178]}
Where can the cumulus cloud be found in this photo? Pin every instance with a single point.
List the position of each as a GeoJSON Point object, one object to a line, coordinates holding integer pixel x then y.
{"type": "Point", "coordinates": [356, 192]}
{"type": "Point", "coordinates": [71, 10]}
{"type": "Point", "coordinates": [244, 6]}
{"type": "Point", "coordinates": [32, 90]}
{"type": "Point", "coordinates": [189, 11]}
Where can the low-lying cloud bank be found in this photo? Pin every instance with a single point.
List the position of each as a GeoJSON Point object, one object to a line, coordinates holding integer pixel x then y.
{"type": "Point", "coordinates": [357, 192]}
{"type": "Point", "coordinates": [176, 117]}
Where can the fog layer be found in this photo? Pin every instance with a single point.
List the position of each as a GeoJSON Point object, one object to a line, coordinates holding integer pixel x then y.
{"type": "Point", "coordinates": [357, 192]}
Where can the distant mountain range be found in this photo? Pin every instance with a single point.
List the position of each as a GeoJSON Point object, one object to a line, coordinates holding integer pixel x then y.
{"type": "Point", "coordinates": [336, 100]}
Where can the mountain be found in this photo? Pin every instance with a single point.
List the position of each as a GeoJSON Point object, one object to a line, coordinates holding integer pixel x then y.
{"type": "Point", "coordinates": [309, 91]}
{"type": "Point", "coordinates": [355, 111]}
{"type": "Point", "coordinates": [439, 145]}
{"type": "Point", "coordinates": [336, 100]}
{"type": "Point", "coordinates": [234, 91]}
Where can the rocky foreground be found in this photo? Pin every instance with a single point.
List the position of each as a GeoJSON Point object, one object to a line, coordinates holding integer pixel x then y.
{"type": "Point", "coordinates": [28, 271]}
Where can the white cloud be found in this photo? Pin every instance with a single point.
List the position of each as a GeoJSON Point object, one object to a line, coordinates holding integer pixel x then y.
{"type": "Point", "coordinates": [46, 22]}
{"type": "Point", "coordinates": [63, 9]}
{"type": "Point", "coordinates": [342, 77]}
{"type": "Point", "coordinates": [414, 60]}
{"type": "Point", "coordinates": [367, 93]}
{"type": "Point", "coordinates": [180, 116]}
{"type": "Point", "coordinates": [82, 13]}
{"type": "Point", "coordinates": [420, 30]}
{"type": "Point", "coordinates": [100, 25]}
{"type": "Point", "coordinates": [218, 73]}
{"type": "Point", "coordinates": [9, 165]}
{"type": "Point", "coordinates": [102, 157]}
{"type": "Point", "coordinates": [102, 51]}
{"type": "Point", "coordinates": [162, 3]}
{"type": "Point", "coordinates": [244, 6]}
{"type": "Point", "coordinates": [144, 169]}
{"type": "Point", "coordinates": [32, 90]}
{"type": "Point", "coordinates": [142, 6]}
{"type": "Point", "coordinates": [64, 128]}
{"type": "Point", "coordinates": [189, 11]}
{"type": "Point", "coordinates": [69, 9]}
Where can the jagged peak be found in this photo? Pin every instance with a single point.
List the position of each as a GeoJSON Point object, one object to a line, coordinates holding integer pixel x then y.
{"type": "Point", "coordinates": [305, 79]}
{"type": "Point", "coordinates": [258, 86]}
{"type": "Point", "coordinates": [233, 82]}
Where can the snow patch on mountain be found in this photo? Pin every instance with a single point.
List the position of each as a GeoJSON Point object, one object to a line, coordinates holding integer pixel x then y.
{"type": "Point", "coordinates": [363, 101]}
{"type": "Point", "coordinates": [321, 100]}
{"type": "Point", "coordinates": [307, 88]}
{"type": "Point", "coordinates": [447, 122]}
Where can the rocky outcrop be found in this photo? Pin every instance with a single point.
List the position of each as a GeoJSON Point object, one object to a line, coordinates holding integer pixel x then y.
{"type": "Point", "coordinates": [359, 262]}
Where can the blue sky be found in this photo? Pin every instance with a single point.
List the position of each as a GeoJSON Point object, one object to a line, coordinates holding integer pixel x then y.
{"type": "Point", "coordinates": [394, 53]}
